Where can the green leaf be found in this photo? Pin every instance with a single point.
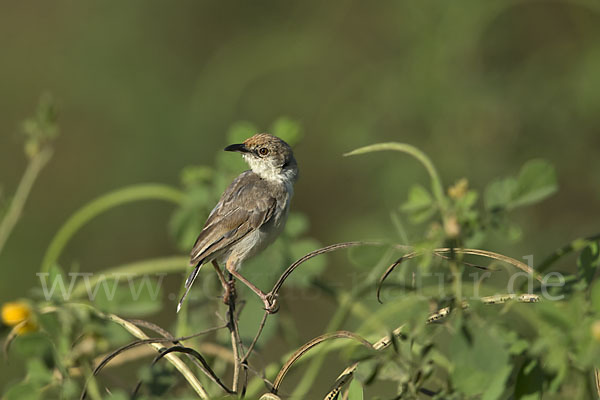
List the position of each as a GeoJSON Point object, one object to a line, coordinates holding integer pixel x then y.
{"type": "Point", "coordinates": [481, 362]}
{"type": "Point", "coordinates": [37, 372]}
{"type": "Point", "coordinates": [418, 199]}
{"type": "Point", "coordinates": [536, 181]}
{"type": "Point", "coordinates": [32, 345]}
{"type": "Point", "coordinates": [517, 345]}
{"type": "Point", "coordinates": [355, 390]}
{"type": "Point", "coordinates": [468, 200]}
{"type": "Point", "coordinates": [466, 212]}
{"type": "Point", "coordinates": [555, 322]}
{"type": "Point", "coordinates": [498, 194]}
{"type": "Point", "coordinates": [557, 315]}
{"type": "Point", "coordinates": [368, 370]}
{"type": "Point", "coordinates": [530, 381]}
{"type": "Point", "coordinates": [422, 216]}
{"type": "Point", "coordinates": [23, 391]}
{"type": "Point", "coordinates": [69, 389]}
{"type": "Point", "coordinates": [587, 262]}
{"type": "Point", "coordinates": [420, 204]}
{"type": "Point", "coordinates": [51, 324]}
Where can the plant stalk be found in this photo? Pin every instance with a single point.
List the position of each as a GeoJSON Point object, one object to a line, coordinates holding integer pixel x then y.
{"type": "Point", "coordinates": [15, 209]}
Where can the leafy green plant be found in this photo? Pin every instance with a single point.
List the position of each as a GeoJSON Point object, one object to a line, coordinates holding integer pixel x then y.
{"type": "Point", "coordinates": [451, 321]}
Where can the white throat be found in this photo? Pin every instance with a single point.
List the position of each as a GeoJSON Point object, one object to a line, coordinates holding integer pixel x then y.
{"type": "Point", "coordinates": [268, 172]}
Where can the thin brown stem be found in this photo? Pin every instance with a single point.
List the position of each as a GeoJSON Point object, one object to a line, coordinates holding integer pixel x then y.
{"type": "Point", "coordinates": [256, 337]}
{"type": "Point", "coordinates": [235, 339]}
{"type": "Point", "coordinates": [483, 253]}
{"type": "Point", "coordinates": [275, 291]}
{"type": "Point", "coordinates": [244, 360]}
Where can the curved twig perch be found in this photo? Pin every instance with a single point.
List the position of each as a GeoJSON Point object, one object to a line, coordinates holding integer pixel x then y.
{"type": "Point", "coordinates": [476, 252]}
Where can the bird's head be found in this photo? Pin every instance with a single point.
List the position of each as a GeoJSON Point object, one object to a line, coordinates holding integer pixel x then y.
{"type": "Point", "coordinates": [268, 156]}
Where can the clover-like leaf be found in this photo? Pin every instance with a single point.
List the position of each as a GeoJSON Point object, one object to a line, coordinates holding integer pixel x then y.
{"type": "Point", "coordinates": [418, 199]}
{"type": "Point", "coordinates": [420, 205]}
{"type": "Point", "coordinates": [481, 362]}
{"type": "Point", "coordinates": [535, 182]}
{"type": "Point", "coordinates": [498, 193]}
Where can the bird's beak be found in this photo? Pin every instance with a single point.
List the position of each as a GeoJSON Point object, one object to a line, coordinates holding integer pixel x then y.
{"type": "Point", "coordinates": [241, 148]}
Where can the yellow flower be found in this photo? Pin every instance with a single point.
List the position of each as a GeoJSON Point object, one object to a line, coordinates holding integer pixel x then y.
{"type": "Point", "coordinates": [459, 189]}
{"type": "Point", "coordinates": [18, 315]}
{"type": "Point", "coordinates": [15, 312]}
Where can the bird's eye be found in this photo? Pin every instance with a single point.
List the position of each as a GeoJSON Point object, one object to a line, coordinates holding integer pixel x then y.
{"type": "Point", "coordinates": [263, 151]}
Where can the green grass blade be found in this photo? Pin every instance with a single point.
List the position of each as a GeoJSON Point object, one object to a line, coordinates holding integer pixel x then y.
{"type": "Point", "coordinates": [101, 204]}
{"type": "Point", "coordinates": [436, 183]}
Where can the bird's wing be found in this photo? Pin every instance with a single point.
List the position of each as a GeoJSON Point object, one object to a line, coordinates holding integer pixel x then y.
{"type": "Point", "coordinates": [244, 207]}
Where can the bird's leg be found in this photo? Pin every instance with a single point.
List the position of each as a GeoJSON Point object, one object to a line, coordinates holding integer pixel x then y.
{"type": "Point", "coordinates": [229, 286]}
{"type": "Point", "coordinates": [270, 302]}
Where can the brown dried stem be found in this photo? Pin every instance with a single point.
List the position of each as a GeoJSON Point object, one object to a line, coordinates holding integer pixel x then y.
{"type": "Point", "coordinates": [236, 343]}
{"type": "Point", "coordinates": [484, 253]}
{"type": "Point", "coordinates": [309, 345]}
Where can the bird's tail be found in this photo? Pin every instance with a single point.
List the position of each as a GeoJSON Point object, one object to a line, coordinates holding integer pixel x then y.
{"type": "Point", "coordinates": [188, 283]}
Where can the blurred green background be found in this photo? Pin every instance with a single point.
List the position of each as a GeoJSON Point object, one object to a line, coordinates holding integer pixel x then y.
{"type": "Point", "coordinates": [146, 88]}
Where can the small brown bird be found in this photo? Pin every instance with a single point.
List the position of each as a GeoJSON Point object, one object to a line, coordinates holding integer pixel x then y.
{"type": "Point", "coordinates": [250, 214]}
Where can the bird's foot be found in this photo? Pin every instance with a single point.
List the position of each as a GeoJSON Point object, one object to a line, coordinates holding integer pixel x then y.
{"type": "Point", "coordinates": [230, 293]}
{"type": "Point", "coordinates": [270, 302]}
